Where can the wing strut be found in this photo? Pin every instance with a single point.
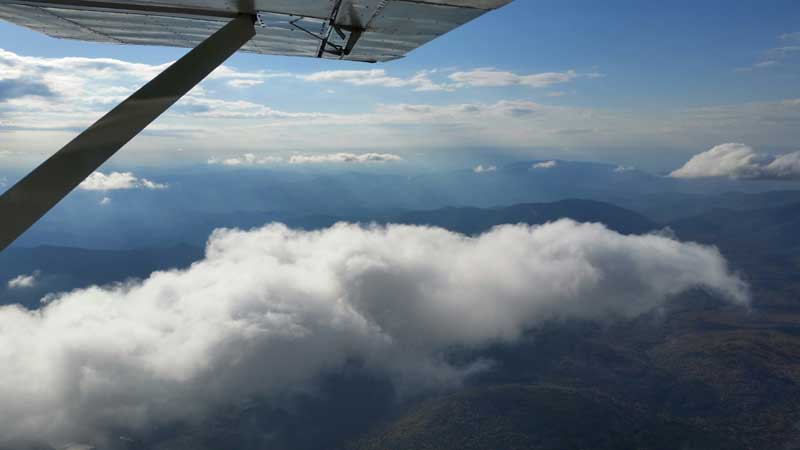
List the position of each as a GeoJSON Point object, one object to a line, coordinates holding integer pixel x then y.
{"type": "Point", "coordinates": [28, 200]}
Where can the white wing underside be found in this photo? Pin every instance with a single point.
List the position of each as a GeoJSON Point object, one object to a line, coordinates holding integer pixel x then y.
{"type": "Point", "coordinates": [358, 30]}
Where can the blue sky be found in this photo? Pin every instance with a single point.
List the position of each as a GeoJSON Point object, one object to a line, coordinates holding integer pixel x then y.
{"type": "Point", "coordinates": [641, 83]}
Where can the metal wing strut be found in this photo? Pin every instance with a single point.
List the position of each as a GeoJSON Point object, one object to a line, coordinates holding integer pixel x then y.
{"type": "Point", "coordinates": [28, 200]}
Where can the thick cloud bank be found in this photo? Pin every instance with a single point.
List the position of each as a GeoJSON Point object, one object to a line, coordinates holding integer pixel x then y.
{"type": "Point", "coordinates": [740, 161]}
{"type": "Point", "coordinates": [270, 309]}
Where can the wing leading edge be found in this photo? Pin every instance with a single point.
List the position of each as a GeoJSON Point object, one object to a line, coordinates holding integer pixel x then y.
{"type": "Point", "coordinates": [358, 30]}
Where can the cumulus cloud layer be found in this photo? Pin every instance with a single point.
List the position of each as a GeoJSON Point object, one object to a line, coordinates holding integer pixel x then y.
{"type": "Point", "coordinates": [99, 181]}
{"type": "Point", "coordinates": [270, 309]}
{"type": "Point", "coordinates": [740, 161]}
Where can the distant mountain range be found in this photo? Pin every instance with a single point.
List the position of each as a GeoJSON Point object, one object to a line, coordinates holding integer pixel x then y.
{"type": "Point", "coordinates": [65, 268]}
{"type": "Point", "coordinates": [198, 201]}
{"type": "Point", "coordinates": [774, 230]}
{"type": "Point", "coordinates": [742, 234]}
{"type": "Point", "coordinates": [669, 207]}
{"type": "Point", "coordinates": [477, 220]}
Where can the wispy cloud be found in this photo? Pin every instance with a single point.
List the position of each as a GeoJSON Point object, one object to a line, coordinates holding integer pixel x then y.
{"type": "Point", "coordinates": [759, 65]}
{"type": "Point", "coordinates": [242, 79]}
{"type": "Point", "coordinates": [791, 36]}
{"type": "Point", "coordinates": [497, 78]}
{"type": "Point", "coordinates": [784, 51]}
{"type": "Point", "coordinates": [226, 72]}
{"type": "Point", "coordinates": [214, 108]}
{"type": "Point", "coordinates": [423, 81]}
{"type": "Point", "coordinates": [776, 55]}
{"type": "Point", "coordinates": [251, 159]}
{"type": "Point", "coordinates": [420, 81]}
{"type": "Point", "coordinates": [248, 159]}
{"type": "Point", "coordinates": [345, 158]}
{"type": "Point", "coordinates": [623, 169]}
{"type": "Point", "coordinates": [243, 83]}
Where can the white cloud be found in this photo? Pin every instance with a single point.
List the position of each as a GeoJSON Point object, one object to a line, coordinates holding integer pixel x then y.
{"type": "Point", "coordinates": [23, 281]}
{"type": "Point", "coordinates": [344, 158]}
{"type": "Point", "coordinates": [99, 181]}
{"type": "Point", "coordinates": [244, 83]}
{"type": "Point", "coordinates": [622, 169]}
{"type": "Point", "coordinates": [241, 77]}
{"type": "Point", "coordinates": [775, 56]}
{"type": "Point", "coordinates": [196, 106]}
{"type": "Point", "coordinates": [759, 65]}
{"type": "Point", "coordinates": [64, 75]}
{"type": "Point", "coordinates": [740, 161]}
{"type": "Point", "coordinates": [764, 64]}
{"type": "Point", "coordinates": [69, 93]}
{"type": "Point", "coordinates": [420, 81]}
{"type": "Point", "coordinates": [232, 162]}
{"type": "Point", "coordinates": [268, 310]}
{"type": "Point", "coordinates": [545, 165]}
{"type": "Point", "coordinates": [105, 201]}
{"type": "Point", "coordinates": [480, 168]}
{"type": "Point", "coordinates": [784, 52]}
{"type": "Point", "coordinates": [791, 36]}
{"type": "Point", "coordinates": [495, 78]}
{"type": "Point", "coordinates": [248, 159]}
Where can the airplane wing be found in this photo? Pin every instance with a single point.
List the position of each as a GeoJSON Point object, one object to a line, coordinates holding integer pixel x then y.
{"type": "Point", "coordinates": [359, 30]}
